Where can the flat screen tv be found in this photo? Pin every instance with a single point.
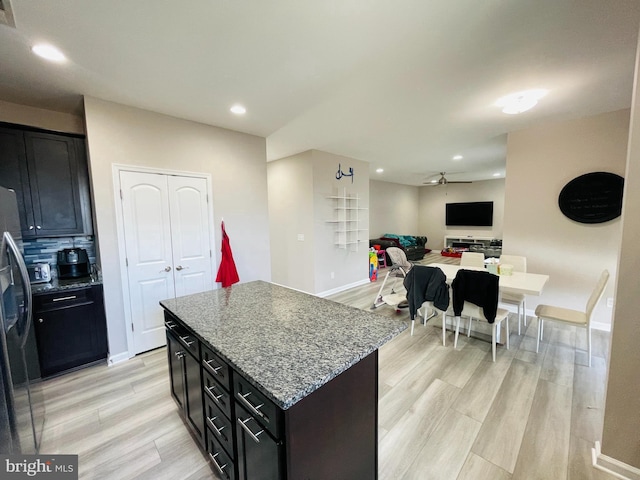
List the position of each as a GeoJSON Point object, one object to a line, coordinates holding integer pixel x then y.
{"type": "Point", "coordinates": [469, 214]}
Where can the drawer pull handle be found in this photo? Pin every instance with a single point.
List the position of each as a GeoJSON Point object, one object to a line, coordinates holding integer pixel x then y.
{"type": "Point", "coordinates": [219, 467]}
{"type": "Point", "coordinates": [213, 425]}
{"type": "Point", "coordinates": [61, 299]}
{"type": "Point", "coordinates": [187, 343]}
{"type": "Point", "coordinates": [215, 397]}
{"type": "Point", "coordinates": [170, 325]}
{"type": "Point", "coordinates": [180, 354]}
{"type": "Point", "coordinates": [254, 408]}
{"type": "Point", "coordinates": [213, 370]}
{"type": "Point", "coordinates": [243, 424]}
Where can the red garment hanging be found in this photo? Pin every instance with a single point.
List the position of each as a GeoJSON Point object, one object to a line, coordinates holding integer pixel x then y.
{"type": "Point", "coordinates": [227, 273]}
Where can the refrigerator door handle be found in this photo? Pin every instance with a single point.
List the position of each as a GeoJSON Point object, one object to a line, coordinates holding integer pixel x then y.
{"type": "Point", "coordinates": [23, 327]}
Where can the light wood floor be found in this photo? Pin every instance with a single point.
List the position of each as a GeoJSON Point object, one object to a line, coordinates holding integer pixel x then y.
{"type": "Point", "coordinates": [443, 413]}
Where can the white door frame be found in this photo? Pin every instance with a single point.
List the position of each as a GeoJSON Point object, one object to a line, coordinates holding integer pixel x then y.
{"type": "Point", "coordinates": [116, 168]}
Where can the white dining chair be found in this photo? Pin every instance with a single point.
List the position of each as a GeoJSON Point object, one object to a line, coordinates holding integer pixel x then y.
{"type": "Point", "coordinates": [578, 318]}
{"type": "Point", "coordinates": [519, 264]}
{"type": "Point", "coordinates": [473, 311]}
{"type": "Point", "coordinates": [429, 311]}
{"type": "Point", "coordinates": [472, 259]}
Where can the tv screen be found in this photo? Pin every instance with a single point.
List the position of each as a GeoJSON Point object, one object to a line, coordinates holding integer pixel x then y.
{"type": "Point", "coordinates": [476, 214]}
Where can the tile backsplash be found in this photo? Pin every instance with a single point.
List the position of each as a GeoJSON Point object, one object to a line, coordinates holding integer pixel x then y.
{"type": "Point", "coordinates": [46, 249]}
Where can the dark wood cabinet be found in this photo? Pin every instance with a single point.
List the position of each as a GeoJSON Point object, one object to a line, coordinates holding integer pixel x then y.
{"type": "Point", "coordinates": [70, 328]}
{"type": "Point", "coordinates": [49, 173]}
{"type": "Point", "coordinates": [331, 433]}
{"type": "Point", "coordinates": [186, 378]}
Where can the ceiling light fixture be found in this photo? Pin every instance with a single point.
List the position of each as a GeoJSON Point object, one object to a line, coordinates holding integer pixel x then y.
{"type": "Point", "coordinates": [496, 174]}
{"type": "Point", "coordinates": [379, 170]}
{"type": "Point", "coordinates": [521, 101]}
{"type": "Point", "coordinates": [48, 52]}
{"type": "Point", "coordinates": [238, 110]}
{"type": "Point", "coordinates": [458, 157]}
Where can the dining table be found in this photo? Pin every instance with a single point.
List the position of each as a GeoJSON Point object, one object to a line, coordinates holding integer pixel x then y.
{"type": "Point", "coordinates": [516, 282]}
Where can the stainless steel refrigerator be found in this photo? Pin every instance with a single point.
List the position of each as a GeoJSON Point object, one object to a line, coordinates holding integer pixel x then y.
{"type": "Point", "coordinates": [21, 397]}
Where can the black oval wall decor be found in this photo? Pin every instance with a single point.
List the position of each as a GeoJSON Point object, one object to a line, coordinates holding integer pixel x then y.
{"type": "Point", "coordinates": [592, 198]}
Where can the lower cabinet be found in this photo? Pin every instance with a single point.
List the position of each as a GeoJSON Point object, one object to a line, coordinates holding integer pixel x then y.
{"type": "Point", "coordinates": [70, 328]}
{"type": "Point", "coordinates": [330, 434]}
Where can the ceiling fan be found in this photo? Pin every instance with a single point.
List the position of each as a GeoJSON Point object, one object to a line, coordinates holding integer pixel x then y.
{"type": "Point", "coordinates": [442, 181]}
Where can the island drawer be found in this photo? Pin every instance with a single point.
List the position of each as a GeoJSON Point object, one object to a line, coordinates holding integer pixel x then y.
{"type": "Point", "coordinates": [214, 391]}
{"type": "Point", "coordinates": [222, 463]}
{"type": "Point", "coordinates": [263, 410]}
{"type": "Point", "coordinates": [218, 425]}
{"type": "Point", "coordinates": [216, 367]}
{"type": "Point", "coordinates": [189, 341]}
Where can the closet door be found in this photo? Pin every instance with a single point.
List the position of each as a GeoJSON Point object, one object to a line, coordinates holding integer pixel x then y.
{"type": "Point", "coordinates": [190, 235]}
{"type": "Point", "coordinates": [147, 229]}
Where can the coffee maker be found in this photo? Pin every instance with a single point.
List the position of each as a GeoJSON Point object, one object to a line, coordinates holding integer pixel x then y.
{"type": "Point", "coordinates": [73, 263]}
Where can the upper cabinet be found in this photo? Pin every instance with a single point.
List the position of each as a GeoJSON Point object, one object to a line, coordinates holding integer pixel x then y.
{"type": "Point", "coordinates": [49, 173]}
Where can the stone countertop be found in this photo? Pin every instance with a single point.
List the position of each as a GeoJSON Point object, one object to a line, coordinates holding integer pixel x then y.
{"type": "Point", "coordinates": [288, 343]}
{"type": "Point", "coordinates": [56, 285]}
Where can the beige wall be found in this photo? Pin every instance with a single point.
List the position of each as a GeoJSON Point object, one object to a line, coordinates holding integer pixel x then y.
{"type": "Point", "coordinates": [620, 438]}
{"type": "Point", "coordinates": [540, 162]}
{"type": "Point", "coordinates": [432, 209]}
{"type": "Point", "coordinates": [235, 161]}
{"type": "Point", "coordinates": [393, 209]}
{"type": "Point", "coordinates": [290, 183]}
{"type": "Point", "coordinates": [40, 118]}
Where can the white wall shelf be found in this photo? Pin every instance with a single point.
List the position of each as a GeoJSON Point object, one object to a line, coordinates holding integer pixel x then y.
{"type": "Point", "coordinates": [347, 220]}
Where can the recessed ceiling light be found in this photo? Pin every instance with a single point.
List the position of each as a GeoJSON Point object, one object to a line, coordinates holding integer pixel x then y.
{"type": "Point", "coordinates": [521, 101]}
{"type": "Point", "coordinates": [48, 52]}
{"type": "Point", "coordinates": [496, 174]}
{"type": "Point", "coordinates": [379, 170]}
{"type": "Point", "coordinates": [238, 110]}
{"type": "Point", "coordinates": [458, 157]}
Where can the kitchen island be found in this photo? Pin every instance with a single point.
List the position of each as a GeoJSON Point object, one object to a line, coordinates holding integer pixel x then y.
{"type": "Point", "coordinates": [278, 384]}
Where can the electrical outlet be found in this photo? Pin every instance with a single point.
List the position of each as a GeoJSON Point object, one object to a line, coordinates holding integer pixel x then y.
{"type": "Point", "coordinates": [610, 302]}
{"type": "Point", "coordinates": [333, 275]}
{"type": "Point", "coordinates": [301, 237]}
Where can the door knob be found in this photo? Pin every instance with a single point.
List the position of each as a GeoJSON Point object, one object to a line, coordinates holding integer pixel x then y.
{"type": "Point", "coordinates": [166, 269]}
{"type": "Point", "coordinates": [180, 267]}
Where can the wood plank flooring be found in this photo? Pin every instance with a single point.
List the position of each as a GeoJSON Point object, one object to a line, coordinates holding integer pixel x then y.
{"type": "Point", "coordinates": [443, 413]}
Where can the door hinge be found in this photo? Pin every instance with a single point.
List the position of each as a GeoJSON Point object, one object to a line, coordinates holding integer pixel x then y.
{"type": "Point", "coordinates": [126, 261]}
{"type": "Point", "coordinates": [121, 194]}
{"type": "Point", "coordinates": [132, 329]}
{"type": "Point", "coordinates": [210, 254]}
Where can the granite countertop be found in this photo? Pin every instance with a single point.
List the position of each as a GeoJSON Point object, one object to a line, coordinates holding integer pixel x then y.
{"type": "Point", "coordinates": [56, 285]}
{"type": "Point", "coordinates": [288, 343]}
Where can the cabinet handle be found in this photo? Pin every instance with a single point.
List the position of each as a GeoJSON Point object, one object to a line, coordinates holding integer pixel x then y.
{"type": "Point", "coordinates": [180, 267]}
{"type": "Point", "coordinates": [254, 408]}
{"type": "Point", "coordinates": [213, 425]}
{"type": "Point", "coordinates": [213, 370]}
{"type": "Point", "coordinates": [243, 424]}
{"type": "Point", "coordinates": [60, 299]}
{"type": "Point", "coordinates": [38, 227]}
{"type": "Point", "coordinates": [219, 467]}
{"type": "Point", "coordinates": [30, 227]}
{"type": "Point", "coordinates": [215, 397]}
{"type": "Point", "coordinates": [184, 339]}
{"type": "Point", "coordinates": [40, 320]}
{"type": "Point", "coordinates": [170, 325]}
{"type": "Point", "coordinates": [180, 354]}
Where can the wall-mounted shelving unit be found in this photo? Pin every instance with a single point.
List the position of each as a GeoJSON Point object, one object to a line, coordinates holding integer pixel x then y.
{"type": "Point", "coordinates": [347, 220]}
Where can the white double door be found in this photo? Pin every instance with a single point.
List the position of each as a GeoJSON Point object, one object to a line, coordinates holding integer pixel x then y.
{"type": "Point", "coordinates": [168, 247]}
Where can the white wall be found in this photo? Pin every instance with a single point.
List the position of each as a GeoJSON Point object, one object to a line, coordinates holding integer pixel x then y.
{"type": "Point", "coordinates": [235, 161]}
{"type": "Point", "coordinates": [40, 118]}
{"type": "Point", "coordinates": [432, 209]}
{"type": "Point", "coordinates": [290, 183]}
{"type": "Point", "coordinates": [393, 208]}
{"type": "Point", "coordinates": [540, 162]}
{"type": "Point", "coordinates": [349, 265]}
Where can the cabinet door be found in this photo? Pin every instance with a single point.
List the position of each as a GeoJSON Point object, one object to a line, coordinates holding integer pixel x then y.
{"type": "Point", "coordinates": [259, 455]}
{"type": "Point", "coordinates": [67, 338]}
{"type": "Point", "coordinates": [194, 410]}
{"type": "Point", "coordinates": [53, 166]}
{"type": "Point", "coordinates": [175, 353]}
{"type": "Point", "coordinates": [14, 174]}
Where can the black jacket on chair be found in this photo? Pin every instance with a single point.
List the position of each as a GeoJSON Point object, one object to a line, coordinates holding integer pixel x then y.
{"type": "Point", "coordinates": [477, 287]}
{"type": "Point", "coordinates": [426, 284]}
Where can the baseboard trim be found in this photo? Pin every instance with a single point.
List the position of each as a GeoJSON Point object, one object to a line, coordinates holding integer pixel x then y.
{"type": "Point", "coordinates": [333, 291]}
{"type": "Point", "coordinates": [612, 466]}
{"type": "Point", "coordinates": [120, 357]}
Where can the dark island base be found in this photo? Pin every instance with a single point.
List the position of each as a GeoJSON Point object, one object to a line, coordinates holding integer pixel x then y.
{"type": "Point", "coordinates": [332, 433]}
